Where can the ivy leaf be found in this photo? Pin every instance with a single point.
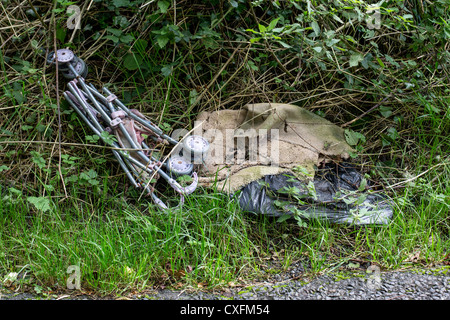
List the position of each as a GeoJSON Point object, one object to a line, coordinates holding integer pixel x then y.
{"type": "Point", "coordinates": [355, 59]}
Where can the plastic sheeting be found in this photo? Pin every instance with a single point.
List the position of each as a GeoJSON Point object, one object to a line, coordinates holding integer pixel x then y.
{"type": "Point", "coordinates": [340, 196]}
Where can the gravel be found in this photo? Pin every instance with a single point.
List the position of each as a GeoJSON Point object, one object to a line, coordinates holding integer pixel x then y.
{"type": "Point", "coordinates": [423, 285]}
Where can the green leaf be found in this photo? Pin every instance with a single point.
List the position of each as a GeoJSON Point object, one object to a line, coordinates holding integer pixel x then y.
{"type": "Point", "coordinates": [3, 168]}
{"type": "Point", "coordinates": [163, 6]}
{"type": "Point", "coordinates": [114, 31]}
{"type": "Point", "coordinates": [380, 62]}
{"type": "Point", "coordinates": [353, 138]}
{"type": "Point", "coordinates": [332, 42]}
{"type": "Point", "coordinates": [141, 44]}
{"type": "Point", "coordinates": [362, 185]}
{"type": "Point", "coordinates": [315, 27]}
{"type": "Point", "coordinates": [94, 138]}
{"type": "Point", "coordinates": [41, 203]}
{"type": "Point", "coordinates": [162, 40]}
{"type": "Point", "coordinates": [261, 28]}
{"type": "Point", "coordinates": [132, 61]}
{"type": "Point", "coordinates": [392, 133]}
{"type": "Point", "coordinates": [355, 59]}
{"type": "Point", "coordinates": [317, 49]}
{"type": "Point", "coordinates": [166, 70]}
{"type": "Point", "coordinates": [37, 159]}
{"type": "Point", "coordinates": [111, 37]}
{"type": "Point", "coordinates": [121, 3]}
{"type": "Point", "coordinates": [361, 199]}
{"type": "Point", "coordinates": [385, 111]}
{"type": "Point", "coordinates": [15, 191]}
{"type": "Point", "coordinates": [284, 217]}
{"type": "Point", "coordinates": [192, 96]}
{"type": "Point", "coordinates": [126, 38]}
{"type": "Point", "coordinates": [352, 265]}
{"type": "Point", "coordinates": [26, 127]}
{"type": "Point", "coordinates": [61, 33]}
{"type": "Point", "coordinates": [272, 24]}
{"type": "Point", "coordinates": [252, 65]}
{"type": "Point", "coordinates": [287, 46]}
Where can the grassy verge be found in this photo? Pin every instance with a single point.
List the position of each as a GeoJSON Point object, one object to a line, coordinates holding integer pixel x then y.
{"type": "Point", "coordinates": [120, 245]}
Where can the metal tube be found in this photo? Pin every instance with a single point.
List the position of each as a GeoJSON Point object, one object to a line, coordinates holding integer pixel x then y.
{"type": "Point", "coordinates": [116, 154]}
{"type": "Point", "coordinates": [123, 157]}
{"type": "Point", "coordinates": [146, 123]}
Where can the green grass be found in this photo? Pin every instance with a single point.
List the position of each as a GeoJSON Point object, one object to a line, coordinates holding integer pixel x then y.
{"type": "Point", "coordinates": [207, 243]}
{"type": "Point", "coordinates": [122, 245]}
{"type": "Point", "coordinates": [119, 247]}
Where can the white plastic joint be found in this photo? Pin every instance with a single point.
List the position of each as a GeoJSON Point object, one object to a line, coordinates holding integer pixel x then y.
{"type": "Point", "coordinates": [111, 97]}
{"type": "Point", "coordinates": [118, 114]}
{"type": "Point", "coordinates": [115, 122]}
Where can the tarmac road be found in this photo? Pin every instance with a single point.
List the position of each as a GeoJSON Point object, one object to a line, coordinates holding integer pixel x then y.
{"type": "Point", "coordinates": [428, 284]}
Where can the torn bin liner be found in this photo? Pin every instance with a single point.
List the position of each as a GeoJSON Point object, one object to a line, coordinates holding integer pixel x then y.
{"type": "Point", "coordinates": [337, 197]}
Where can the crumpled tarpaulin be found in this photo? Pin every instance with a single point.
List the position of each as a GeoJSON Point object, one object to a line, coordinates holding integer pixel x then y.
{"type": "Point", "coordinates": [286, 136]}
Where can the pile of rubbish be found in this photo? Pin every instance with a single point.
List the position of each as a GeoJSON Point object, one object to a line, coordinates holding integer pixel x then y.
{"type": "Point", "coordinates": [283, 160]}
{"type": "Point", "coordinates": [275, 159]}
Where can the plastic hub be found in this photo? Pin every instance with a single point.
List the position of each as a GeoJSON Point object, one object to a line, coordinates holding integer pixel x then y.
{"type": "Point", "coordinates": [195, 148]}
{"type": "Point", "coordinates": [179, 166]}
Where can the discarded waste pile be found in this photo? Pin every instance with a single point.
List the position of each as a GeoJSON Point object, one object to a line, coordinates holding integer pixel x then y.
{"type": "Point", "coordinates": [265, 155]}
{"type": "Point", "coordinates": [271, 154]}
{"type": "Point", "coordinates": [136, 140]}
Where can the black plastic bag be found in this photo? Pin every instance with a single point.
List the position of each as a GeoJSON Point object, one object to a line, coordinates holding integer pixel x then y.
{"type": "Point", "coordinates": [339, 195]}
